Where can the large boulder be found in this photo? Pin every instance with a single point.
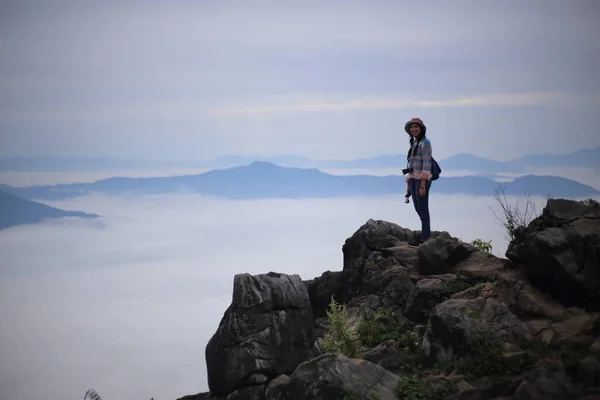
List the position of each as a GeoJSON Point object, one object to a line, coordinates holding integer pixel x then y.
{"type": "Point", "coordinates": [332, 377]}
{"type": "Point", "coordinates": [440, 254]}
{"type": "Point", "coordinates": [559, 252]}
{"type": "Point", "coordinates": [266, 331]}
{"type": "Point", "coordinates": [456, 324]}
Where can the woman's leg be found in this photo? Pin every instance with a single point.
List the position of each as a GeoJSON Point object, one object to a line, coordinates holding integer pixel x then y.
{"type": "Point", "coordinates": [414, 192]}
{"type": "Point", "coordinates": [424, 214]}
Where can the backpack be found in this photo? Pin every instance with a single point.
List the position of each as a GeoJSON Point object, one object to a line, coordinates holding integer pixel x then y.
{"type": "Point", "coordinates": [435, 169]}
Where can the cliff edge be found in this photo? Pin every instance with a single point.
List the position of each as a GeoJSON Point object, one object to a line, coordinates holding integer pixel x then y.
{"type": "Point", "coordinates": [445, 320]}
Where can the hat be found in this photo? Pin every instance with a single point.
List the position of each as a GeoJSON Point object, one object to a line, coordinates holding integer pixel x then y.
{"type": "Point", "coordinates": [415, 121]}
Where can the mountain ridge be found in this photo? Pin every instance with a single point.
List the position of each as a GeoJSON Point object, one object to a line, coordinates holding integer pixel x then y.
{"type": "Point", "coordinates": [589, 158]}
{"type": "Point", "coordinates": [266, 180]}
{"type": "Point", "coordinates": [15, 211]}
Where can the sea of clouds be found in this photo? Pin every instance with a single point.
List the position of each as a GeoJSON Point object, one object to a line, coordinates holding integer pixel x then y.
{"type": "Point", "coordinates": [125, 304]}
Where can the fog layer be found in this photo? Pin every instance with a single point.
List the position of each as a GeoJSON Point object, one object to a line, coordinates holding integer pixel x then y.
{"type": "Point", "coordinates": [126, 304]}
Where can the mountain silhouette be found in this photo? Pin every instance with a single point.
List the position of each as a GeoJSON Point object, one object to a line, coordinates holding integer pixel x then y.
{"type": "Point", "coordinates": [266, 180]}
{"type": "Point", "coordinates": [18, 211]}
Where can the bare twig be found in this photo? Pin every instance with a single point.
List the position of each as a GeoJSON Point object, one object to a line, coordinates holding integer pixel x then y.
{"type": "Point", "coordinates": [512, 217]}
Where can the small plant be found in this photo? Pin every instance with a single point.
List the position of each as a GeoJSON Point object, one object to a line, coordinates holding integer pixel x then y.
{"type": "Point", "coordinates": [339, 337]}
{"type": "Point", "coordinates": [412, 388]}
{"type": "Point", "coordinates": [486, 357]}
{"type": "Point", "coordinates": [454, 286]}
{"type": "Point", "coordinates": [482, 245]}
{"type": "Point", "coordinates": [92, 395]}
{"type": "Point", "coordinates": [379, 327]}
{"type": "Point", "coordinates": [411, 351]}
{"type": "Point", "coordinates": [511, 217]}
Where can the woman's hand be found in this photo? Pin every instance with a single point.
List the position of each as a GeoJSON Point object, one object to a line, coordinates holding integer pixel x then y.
{"type": "Point", "coordinates": [422, 191]}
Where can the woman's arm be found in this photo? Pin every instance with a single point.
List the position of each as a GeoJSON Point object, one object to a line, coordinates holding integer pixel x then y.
{"type": "Point", "coordinates": [426, 152]}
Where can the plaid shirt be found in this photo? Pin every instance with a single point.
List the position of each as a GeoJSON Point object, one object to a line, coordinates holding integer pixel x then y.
{"type": "Point", "coordinates": [421, 161]}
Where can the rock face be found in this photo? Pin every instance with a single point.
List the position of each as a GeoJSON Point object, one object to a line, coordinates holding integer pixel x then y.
{"type": "Point", "coordinates": [560, 252]}
{"type": "Point", "coordinates": [337, 377]}
{"type": "Point", "coordinates": [266, 331]}
{"type": "Point", "coordinates": [444, 320]}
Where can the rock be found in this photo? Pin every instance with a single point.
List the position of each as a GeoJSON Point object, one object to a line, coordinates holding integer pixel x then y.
{"type": "Point", "coordinates": [575, 326]}
{"type": "Point", "coordinates": [332, 376]}
{"type": "Point", "coordinates": [386, 355]}
{"type": "Point", "coordinates": [540, 330]}
{"type": "Point", "coordinates": [523, 298]}
{"type": "Point", "coordinates": [588, 372]}
{"type": "Point", "coordinates": [439, 255]}
{"type": "Point", "coordinates": [426, 294]}
{"type": "Point", "coordinates": [321, 290]}
{"type": "Point", "coordinates": [481, 266]}
{"type": "Point", "coordinates": [560, 252]}
{"type": "Point", "coordinates": [266, 331]}
{"type": "Point", "coordinates": [276, 388]}
{"type": "Point", "coordinates": [454, 324]}
{"type": "Point", "coordinates": [543, 384]}
{"type": "Point", "coordinates": [595, 348]}
{"type": "Point", "coordinates": [372, 249]}
{"type": "Point", "coordinates": [373, 236]}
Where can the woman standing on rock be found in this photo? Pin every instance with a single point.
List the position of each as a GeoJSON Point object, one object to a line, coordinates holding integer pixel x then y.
{"type": "Point", "coordinates": [419, 178]}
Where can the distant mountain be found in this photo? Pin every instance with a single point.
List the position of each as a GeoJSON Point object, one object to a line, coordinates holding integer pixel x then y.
{"type": "Point", "coordinates": [583, 158]}
{"type": "Point", "coordinates": [18, 211]}
{"type": "Point", "coordinates": [265, 180]}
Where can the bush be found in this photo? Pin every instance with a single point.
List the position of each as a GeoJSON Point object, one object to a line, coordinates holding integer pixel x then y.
{"type": "Point", "coordinates": [339, 337]}
{"type": "Point", "coordinates": [412, 388]}
{"type": "Point", "coordinates": [379, 327]}
{"type": "Point", "coordinates": [486, 358]}
{"type": "Point", "coordinates": [511, 217]}
{"type": "Point", "coordinates": [482, 245]}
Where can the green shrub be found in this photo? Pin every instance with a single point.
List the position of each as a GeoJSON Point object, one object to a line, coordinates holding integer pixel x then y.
{"type": "Point", "coordinates": [379, 327]}
{"type": "Point", "coordinates": [339, 337]}
{"type": "Point", "coordinates": [485, 358]}
{"type": "Point", "coordinates": [482, 245]}
{"type": "Point", "coordinates": [454, 286]}
{"type": "Point", "coordinates": [412, 388]}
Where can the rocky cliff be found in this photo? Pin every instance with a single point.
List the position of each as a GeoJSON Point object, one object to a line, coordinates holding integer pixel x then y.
{"type": "Point", "coordinates": [442, 321]}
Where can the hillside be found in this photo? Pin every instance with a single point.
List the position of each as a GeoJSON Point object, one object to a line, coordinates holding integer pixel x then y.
{"type": "Point", "coordinates": [265, 180]}
{"type": "Point", "coordinates": [17, 211]}
{"type": "Point", "coordinates": [446, 320]}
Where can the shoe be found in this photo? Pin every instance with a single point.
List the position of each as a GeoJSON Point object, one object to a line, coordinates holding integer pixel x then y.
{"type": "Point", "coordinates": [415, 242]}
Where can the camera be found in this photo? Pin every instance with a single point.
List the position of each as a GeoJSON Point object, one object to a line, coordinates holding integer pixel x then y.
{"type": "Point", "coordinates": [407, 170]}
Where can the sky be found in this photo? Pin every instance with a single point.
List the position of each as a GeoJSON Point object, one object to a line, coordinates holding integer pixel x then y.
{"type": "Point", "coordinates": [195, 80]}
{"type": "Point", "coordinates": [126, 304]}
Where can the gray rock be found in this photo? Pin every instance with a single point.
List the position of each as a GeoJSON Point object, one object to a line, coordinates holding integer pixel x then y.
{"type": "Point", "coordinates": [386, 355]}
{"type": "Point", "coordinates": [266, 331]}
{"type": "Point", "coordinates": [454, 324]}
{"type": "Point", "coordinates": [331, 377]}
{"type": "Point", "coordinates": [276, 388]}
{"type": "Point", "coordinates": [560, 252]}
{"type": "Point", "coordinates": [588, 372]}
{"type": "Point", "coordinates": [426, 296]}
{"type": "Point", "coordinates": [439, 255]}
{"type": "Point", "coordinates": [321, 289]}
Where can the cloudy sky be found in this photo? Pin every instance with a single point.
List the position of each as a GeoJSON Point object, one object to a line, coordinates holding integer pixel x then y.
{"type": "Point", "coordinates": [189, 80]}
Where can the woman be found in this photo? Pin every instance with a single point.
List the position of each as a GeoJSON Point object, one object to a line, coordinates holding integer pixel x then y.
{"type": "Point", "coordinates": [419, 179]}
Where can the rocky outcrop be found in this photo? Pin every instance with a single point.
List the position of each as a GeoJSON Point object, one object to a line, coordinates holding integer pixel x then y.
{"type": "Point", "coordinates": [455, 324]}
{"type": "Point", "coordinates": [559, 252]}
{"type": "Point", "coordinates": [267, 331]}
{"type": "Point", "coordinates": [444, 320]}
{"type": "Point", "coordinates": [337, 377]}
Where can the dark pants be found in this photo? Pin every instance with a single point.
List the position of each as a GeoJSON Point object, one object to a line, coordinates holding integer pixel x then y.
{"type": "Point", "coordinates": [421, 206]}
